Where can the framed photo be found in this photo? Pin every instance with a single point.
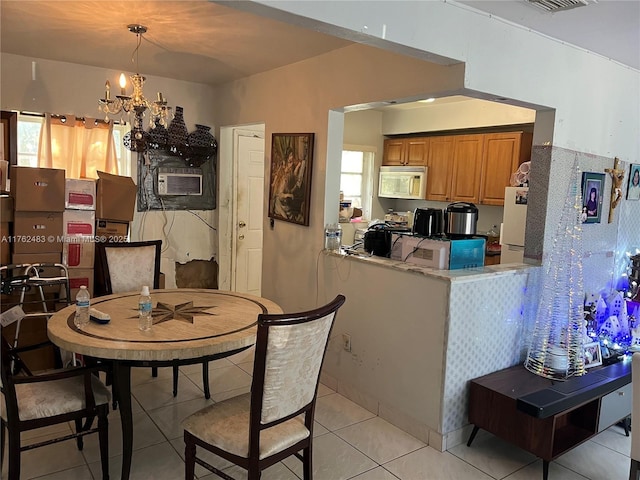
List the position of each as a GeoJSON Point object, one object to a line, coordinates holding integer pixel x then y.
{"type": "Point", "coordinates": [633, 189]}
{"type": "Point", "coordinates": [592, 355]}
{"type": "Point", "coordinates": [290, 182]}
{"type": "Point", "coordinates": [592, 191]}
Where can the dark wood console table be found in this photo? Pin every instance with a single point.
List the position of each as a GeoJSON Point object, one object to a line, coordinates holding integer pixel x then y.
{"type": "Point", "coordinates": [547, 417]}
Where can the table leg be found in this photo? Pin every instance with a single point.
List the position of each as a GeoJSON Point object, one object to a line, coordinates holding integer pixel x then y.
{"type": "Point", "coordinates": [473, 435]}
{"type": "Point", "coordinates": [122, 382]}
{"type": "Point", "coordinates": [545, 469]}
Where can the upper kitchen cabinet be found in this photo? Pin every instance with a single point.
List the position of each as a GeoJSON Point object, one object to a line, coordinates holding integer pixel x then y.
{"type": "Point", "coordinates": [502, 155]}
{"type": "Point", "coordinates": [454, 168]}
{"type": "Point", "coordinates": [467, 168]}
{"type": "Point", "coordinates": [405, 151]}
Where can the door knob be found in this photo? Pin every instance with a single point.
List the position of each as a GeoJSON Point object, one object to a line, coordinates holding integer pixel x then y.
{"type": "Point", "coordinates": [241, 237]}
{"type": "Point", "coordinates": [242, 224]}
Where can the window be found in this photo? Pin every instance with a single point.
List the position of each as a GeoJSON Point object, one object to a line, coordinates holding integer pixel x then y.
{"type": "Point", "coordinates": [29, 136]}
{"type": "Point", "coordinates": [356, 182]}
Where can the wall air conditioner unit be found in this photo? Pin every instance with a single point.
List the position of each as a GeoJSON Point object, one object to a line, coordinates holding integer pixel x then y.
{"type": "Point", "coordinates": [558, 5]}
{"type": "Point", "coordinates": [179, 181]}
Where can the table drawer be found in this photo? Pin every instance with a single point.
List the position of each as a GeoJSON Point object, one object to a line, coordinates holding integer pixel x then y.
{"type": "Point", "coordinates": [614, 407]}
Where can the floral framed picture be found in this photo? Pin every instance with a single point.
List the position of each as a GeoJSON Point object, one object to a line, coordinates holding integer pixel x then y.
{"type": "Point", "coordinates": [592, 355]}
{"type": "Point", "coordinates": [592, 190]}
{"type": "Point", "coordinates": [633, 189]}
{"type": "Point", "coordinates": [290, 181]}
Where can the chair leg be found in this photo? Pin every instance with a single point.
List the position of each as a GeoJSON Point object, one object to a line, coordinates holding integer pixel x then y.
{"type": "Point", "coordinates": [14, 455]}
{"type": "Point", "coordinates": [633, 471]}
{"type": "Point", "coordinates": [189, 457]}
{"type": "Point", "coordinates": [79, 440]}
{"type": "Point", "coordinates": [3, 432]}
{"type": "Point", "coordinates": [103, 436]}
{"type": "Point", "coordinates": [205, 380]}
{"type": "Point", "coordinates": [176, 372]}
{"type": "Point", "coordinates": [154, 371]}
{"type": "Point", "coordinates": [307, 464]}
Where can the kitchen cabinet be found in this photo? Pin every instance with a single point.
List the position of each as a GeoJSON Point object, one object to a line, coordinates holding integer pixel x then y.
{"type": "Point", "coordinates": [502, 155]}
{"type": "Point", "coordinates": [405, 151]}
{"type": "Point", "coordinates": [454, 168]}
{"type": "Point", "coordinates": [474, 168]}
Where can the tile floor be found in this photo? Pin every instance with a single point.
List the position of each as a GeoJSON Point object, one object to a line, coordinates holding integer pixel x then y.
{"type": "Point", "coordinates": [350, 443]}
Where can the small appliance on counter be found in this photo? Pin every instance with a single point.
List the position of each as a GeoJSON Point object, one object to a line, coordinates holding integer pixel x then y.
{"type": "Point", "coordinates": [442, 253]}
{"type": "Point", "coordinates": [377, 239]}
{"type": "Point", "coordinates": [460, 220]}
{"type": "Point", "coordinates": [428, 222]}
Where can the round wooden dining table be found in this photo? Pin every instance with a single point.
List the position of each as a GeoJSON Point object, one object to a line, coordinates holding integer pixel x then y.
{"type": "Point", "coordinates": [189, 326]}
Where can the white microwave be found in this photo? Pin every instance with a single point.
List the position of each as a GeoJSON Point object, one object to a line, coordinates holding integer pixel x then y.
{"type": "Point", "coordinates": [179, 181]}
{"type": "Point", "coordinates": [403, 182]}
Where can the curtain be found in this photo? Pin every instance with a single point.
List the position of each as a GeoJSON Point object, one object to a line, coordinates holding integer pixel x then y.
{"type": "Point", "coordinates": [81, 147]}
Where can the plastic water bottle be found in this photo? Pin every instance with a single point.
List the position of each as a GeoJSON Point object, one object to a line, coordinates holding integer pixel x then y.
{"type": "Point", "coordinates": [83, 299]}
{"type": "Point", "coordinates": [332, 237]}
{"type": "Point", "coordinates": [144, 310]}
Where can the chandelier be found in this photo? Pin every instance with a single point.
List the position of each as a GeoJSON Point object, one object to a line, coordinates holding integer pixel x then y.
{"type": "Point", "coordinates": [137, 139]}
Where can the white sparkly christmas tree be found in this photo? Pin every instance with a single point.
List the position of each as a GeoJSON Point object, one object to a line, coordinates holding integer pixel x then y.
{"type": "Point", "coordinates": [557, 344]}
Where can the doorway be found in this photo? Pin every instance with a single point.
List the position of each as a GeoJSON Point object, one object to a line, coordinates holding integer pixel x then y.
{"type": "Point", "coordinates": [241, 208]}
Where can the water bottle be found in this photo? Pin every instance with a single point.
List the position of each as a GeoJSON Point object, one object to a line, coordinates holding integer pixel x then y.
{"type": "Point", "coordinates": [332, 237]}
{"type": "Point", "coordinates": [83, 299]}
{"type": "Point", "coordinates": [144, 310]}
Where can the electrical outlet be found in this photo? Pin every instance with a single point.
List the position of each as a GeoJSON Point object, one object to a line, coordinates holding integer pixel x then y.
{"type": "Point", "coordinates": [346, 342]}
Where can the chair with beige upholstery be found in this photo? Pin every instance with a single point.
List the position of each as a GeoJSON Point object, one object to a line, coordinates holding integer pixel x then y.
{"type": "Point", "coordinates": [635, 418]}
{"type": "Point", "coordinates": [30, 401]}
{"type": "Point", "coordinates": [127, 267]}
{"type": "Point", "coordinates": [275, 419]}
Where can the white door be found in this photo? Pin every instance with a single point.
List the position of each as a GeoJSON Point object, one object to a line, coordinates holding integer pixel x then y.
{"type": "Point", "coordinates": [247, 214]}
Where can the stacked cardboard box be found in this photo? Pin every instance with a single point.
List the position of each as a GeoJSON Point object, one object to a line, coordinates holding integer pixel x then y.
{"type": "Point", "coordinates": [6, 228]}
{"type": "Point", "coordinates": [78, 249]}
{"type": "Point", "coordinates": [115, 203]}
{"type": "Point", "coordinates": [38, 196]}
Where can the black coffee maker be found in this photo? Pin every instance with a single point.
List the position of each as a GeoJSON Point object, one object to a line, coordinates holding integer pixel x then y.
{"type": "Point", "coordinates": [428, 222]}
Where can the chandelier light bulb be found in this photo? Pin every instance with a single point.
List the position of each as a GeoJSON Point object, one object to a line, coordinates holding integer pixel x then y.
{"type": "Point", "coordinates": [123, 83]}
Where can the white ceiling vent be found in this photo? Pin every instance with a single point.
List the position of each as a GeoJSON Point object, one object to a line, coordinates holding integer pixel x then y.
{"type": "Point", "coordinates": [558, 5]}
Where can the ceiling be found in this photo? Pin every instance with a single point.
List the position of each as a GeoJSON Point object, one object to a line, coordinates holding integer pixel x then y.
{"type": "Point", "coordinates": [204, 42]}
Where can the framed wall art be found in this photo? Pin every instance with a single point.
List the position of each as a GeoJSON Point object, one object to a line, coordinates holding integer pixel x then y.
{"type": "Point", "coordinates": [633, 189]}
{"type": "Point", "coordinates": [592, 191]}
{"type": "Point", "coordinates": [290, 181]}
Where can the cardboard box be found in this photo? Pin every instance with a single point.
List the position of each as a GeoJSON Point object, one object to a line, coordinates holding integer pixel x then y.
{"type": "Point", "coordinates": [79, 277]}
{"type": "Point", "coordinates": [79, 222]}
{"type": "Point", "coordinates": [426, 252]}
{"type": "Point", "coordinates": [115, 197]}
{"type": "Point", "coordinates": [37, 189]}
{"type": "Point", "coordinates": [467, 253]}
{"type": "Point", "coordinates": [5, 244]}
{"type": "Point", "coordinates": [37, 232]}
{"type": "Point", "coordinates": [4, 172]}
{"type": "Point", "coordinates": [79, 251]}
{"type": "Point", "coordinates": [112, 231]}
{"type": "Point", "coordinates": [6, 208]}
{"type": "Point", "coordinates": [80, 194]}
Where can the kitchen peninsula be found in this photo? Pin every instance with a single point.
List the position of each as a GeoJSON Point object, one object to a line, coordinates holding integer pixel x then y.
{"type": "Point", "coordinates": [438, 328]}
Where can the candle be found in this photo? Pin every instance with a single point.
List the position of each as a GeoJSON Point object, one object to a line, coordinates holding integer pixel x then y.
{"type": "Point", "coordinates": [160, 99]}
{"type": "Point", "coordinates": [107, 90]}
{"type": "Point", "coordinates": [123, 84]}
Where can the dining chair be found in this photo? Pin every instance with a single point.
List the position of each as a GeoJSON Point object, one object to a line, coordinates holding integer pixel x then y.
{"type": "Point", "coordinates": [275, 419]}
{"type": "Point", "coordinates": [31, 401]}
{"type": "Point", "coordinates": [127, 267]}
{"type": "Point", "coordinates": [634, 470]}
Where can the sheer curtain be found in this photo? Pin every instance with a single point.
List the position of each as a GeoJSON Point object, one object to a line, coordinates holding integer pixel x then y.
{"type": "Point", "coordinates": [81, 147]}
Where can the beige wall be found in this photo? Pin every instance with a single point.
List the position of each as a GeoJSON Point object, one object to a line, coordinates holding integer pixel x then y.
{"type": "Point", "coordinates": [297, 98]}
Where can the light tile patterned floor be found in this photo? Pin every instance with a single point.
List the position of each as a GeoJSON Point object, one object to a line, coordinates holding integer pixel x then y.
{"type": "Point", "coordinates": [350, 443]}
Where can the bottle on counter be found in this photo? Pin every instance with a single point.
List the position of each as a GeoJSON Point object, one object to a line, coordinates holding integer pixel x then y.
{"type": "Point", "coordinates": [332, 237]}
{"type": "Point", "coordinates": [144, 310]}
{"type": "Point", "coordinates": [83, 301]}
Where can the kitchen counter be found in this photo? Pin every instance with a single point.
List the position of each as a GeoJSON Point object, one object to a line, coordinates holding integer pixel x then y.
{"type": "Point", "coordinates": [440, 328]}
{"type": "Point", "coordinates": [460, 275]}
